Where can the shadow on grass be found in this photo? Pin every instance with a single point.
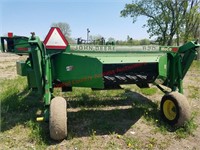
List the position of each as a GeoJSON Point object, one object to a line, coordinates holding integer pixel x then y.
{"type": "Point", "coordinates": [21, 108]}
{"type": "Point", "coordinates": [17, 108]}
{"type": "Point", "coordinates": [93, 119]}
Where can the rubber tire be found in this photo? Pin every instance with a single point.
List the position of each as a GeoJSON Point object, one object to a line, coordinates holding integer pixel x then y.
{"type": "Point", "coordinates": [182, 107]}
{"type": "Point", "coordinates": [58, 118]}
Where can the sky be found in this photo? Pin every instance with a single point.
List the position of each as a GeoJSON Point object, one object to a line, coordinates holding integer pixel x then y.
{"type": "Point", "coordinates": [102, 17]}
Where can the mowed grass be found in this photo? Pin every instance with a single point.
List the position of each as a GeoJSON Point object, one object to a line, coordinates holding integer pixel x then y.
{"type": "Point", "coordinates": [111, 119]}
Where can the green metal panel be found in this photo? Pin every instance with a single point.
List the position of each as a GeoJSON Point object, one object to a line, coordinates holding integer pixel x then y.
{"type": "Point", "coordinates": [21, 45]}
{"type": "Point", "coordinates": [85, 69]}
{"type": "Point", "coordinates": [21, 68]}
{"type": "Point", "coordinates": [31, 78]}
{"type": "Point", "coordinates": [125, 57]}
{"type": "Point", "coordinates": [129, 58]}
{"type": "Point", "coordinates": [75, 70]}
{"type": "Point", "coordinates": [16, 44]}
{"type": "Point", "coordinates": [187, 46]}
{"type": "Point", "coordinates": [48, 81]}
{"type": "Point", "coordinates": [36, 56]}
{"type": "Point", "coordinates": [162, 67]}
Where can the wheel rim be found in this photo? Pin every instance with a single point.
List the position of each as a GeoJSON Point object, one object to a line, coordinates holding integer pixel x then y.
{"type": "Point", "coordinates": [169, 110]}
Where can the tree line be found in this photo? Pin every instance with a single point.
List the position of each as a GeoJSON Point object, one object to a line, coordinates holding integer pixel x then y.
{"type": "Point", "coordinates": [168, 20]}
{"type": "Point", "coordinates": [98, 39]}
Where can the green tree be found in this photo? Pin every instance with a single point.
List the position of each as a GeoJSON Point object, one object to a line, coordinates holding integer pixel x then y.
{"type": "Point", "coordinates": [192, 22]}
{"type": "Point", "coordinates": [166, 18]}
{"type": "Point", "coordinates": [129, 40]}
{"type": "Point", "coordinates": [144, 42]}
{"type": "Point", "coordinates": [135, 42]}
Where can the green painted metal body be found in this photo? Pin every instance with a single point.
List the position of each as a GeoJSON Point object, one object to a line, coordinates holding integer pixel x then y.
{"type": "Point", "coordinates": [47, 69]}
{"type": "Point", "coordinates": [87, 68]}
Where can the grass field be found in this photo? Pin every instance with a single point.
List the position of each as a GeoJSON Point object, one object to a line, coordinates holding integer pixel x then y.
{"type": "Point", "coordinates": [114, 119]}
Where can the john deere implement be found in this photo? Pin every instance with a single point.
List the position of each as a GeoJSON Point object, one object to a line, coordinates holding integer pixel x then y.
{"type": "Point", "coordinates": [53, 64]}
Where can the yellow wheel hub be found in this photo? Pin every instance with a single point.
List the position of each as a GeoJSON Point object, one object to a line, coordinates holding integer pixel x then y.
{"type": "Point", "coordinates": [169, 110]}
